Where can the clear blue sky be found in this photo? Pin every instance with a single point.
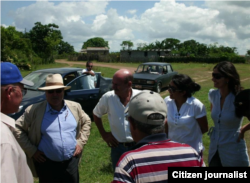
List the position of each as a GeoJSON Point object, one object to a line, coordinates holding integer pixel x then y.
{"type": "Point", "coordinates": [224, 23]}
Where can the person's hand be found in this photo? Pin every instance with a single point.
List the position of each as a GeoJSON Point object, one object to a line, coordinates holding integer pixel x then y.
{"type": "Point", "coordinates": [78, 150]}
{"type": "Point", "coordinates": [39, 156]}
{"type": "Point", "coordinates": [110, 139]}
{"type": "Point", "coordinates": [241, 135]}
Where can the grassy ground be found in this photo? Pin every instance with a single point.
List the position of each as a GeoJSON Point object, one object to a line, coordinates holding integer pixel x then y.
{"type": "Point", "coordinates": [96, 165]}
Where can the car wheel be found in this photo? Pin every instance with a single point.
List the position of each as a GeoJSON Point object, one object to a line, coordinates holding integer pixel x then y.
{"type": "Point", "coordinates": [158, 88]}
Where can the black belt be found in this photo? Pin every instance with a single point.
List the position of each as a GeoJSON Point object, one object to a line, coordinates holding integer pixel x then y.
{"type": "Point", "coordinates": [127, 144]}
{"type": "Point", "coordinates": [59, 162]}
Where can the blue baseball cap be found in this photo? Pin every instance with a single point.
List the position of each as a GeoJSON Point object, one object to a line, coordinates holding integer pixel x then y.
{"type": "Point", "coordinates": [10, 74]}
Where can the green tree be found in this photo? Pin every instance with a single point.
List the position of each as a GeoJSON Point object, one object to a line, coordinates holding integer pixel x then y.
{"type": "Point", "coordinates": [95, 42]}
{"type": "Point", "coordinates": [45, 40]}
{"type": "Point", "coordinates": [140, 46]}
{"type": "Point", "coordinates": [127, 44]}
{"type": "Point", "coordinates": [14, 46]}
{"type": "Point", "coordinates": [3, 39]}
{"type": "Point", "coordinates": [65, 47]}
{"type": "Point", "coordinates": [171, 43]}
{"type": "Point", "coordinates": [248, 53]}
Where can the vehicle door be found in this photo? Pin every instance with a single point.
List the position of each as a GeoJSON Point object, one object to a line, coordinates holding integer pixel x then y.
{"type": "Point", "coordinates": [164, 76]}
{"type": "Point", "coordinates": [170, 73]}
{"type": "Point", "coordinates": [87, 97]}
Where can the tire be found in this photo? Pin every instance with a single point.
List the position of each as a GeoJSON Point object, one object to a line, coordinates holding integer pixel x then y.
{"type": "Point", "coordinates": [158, 88]}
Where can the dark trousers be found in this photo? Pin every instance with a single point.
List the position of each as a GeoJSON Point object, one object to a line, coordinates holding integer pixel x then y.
{"type": "Point", "coordinates": [215, 161]}
{"type": "Point", "coordinates": [63, 172]}
{"type": "Point", "coordinates": [116, 152]}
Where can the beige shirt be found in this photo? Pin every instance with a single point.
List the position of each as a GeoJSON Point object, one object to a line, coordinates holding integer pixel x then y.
{"type": "Point", "coordinates": [14, 168]}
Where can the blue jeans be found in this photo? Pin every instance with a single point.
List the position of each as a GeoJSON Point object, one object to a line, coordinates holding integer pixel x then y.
{"type": "Point", "coordinates": [116, 153]}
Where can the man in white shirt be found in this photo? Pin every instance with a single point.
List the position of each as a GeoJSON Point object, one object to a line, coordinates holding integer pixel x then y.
{"type": "Point", "coordinates": [89, 81]}
{"type": "Point", "coordinates": [14, 167]}
{"type": "Point", "coordinates": [114, 104]}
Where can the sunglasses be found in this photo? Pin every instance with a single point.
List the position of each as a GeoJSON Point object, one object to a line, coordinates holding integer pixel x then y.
{"type": "Point", "coordinates": [89, 65]}
{"type": "Point", "coordinates": [172, 89]}
{"type": "Point", "coordinates": [57, 91]}
{"type": "Point", "coordinates": [217, 76]}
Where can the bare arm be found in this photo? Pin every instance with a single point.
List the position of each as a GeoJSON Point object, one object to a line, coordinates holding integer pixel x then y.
{"type": "Point", "coordinates": [106, 136]}
{"type": "Point", "coordinates": [242, 131]}
{"type": "Point", "coordinates": [89, 73]}
{"type": "Point", "coordinates": [211, 107]}
{"type": "Point", "coordinates": [203, 124]}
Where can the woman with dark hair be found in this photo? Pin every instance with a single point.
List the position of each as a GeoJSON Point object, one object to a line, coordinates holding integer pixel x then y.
{"type": "Point", "coordinates": [224, 150]}
{"type": "Point", "coordinates": [186, 119]}
{"type": "Point", "coordinates": [242, 108]}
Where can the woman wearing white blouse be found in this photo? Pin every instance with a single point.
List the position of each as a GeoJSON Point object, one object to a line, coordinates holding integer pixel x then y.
{"type": "Point", "coordinates": [186, 119]}
{"type": "Point", "coordinates": [224, 150]}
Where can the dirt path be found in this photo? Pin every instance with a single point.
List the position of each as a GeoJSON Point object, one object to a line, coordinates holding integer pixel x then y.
{"type": "Point", "coordinates": [71, 63]}
{"type": "Point", "coordinates": [132, 69]}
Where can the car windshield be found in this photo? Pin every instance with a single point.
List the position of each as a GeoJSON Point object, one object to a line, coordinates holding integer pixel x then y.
{"type": "Point", "coordinates": [38, 78]}
{"type": "Point", "coordinates": [143, 68]}
{"type": "Point", "coordinates": [149, 69]}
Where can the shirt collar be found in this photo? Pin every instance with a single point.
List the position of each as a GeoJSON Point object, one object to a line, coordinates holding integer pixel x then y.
{"type": "Point", "coordinates": [51, 110]}
{"type": "Point", "coordinates": [151, 138]}
{"type": "Point", "coordinates": [190, 100]}
{"type": "Point", "coordinates": [8, 120]}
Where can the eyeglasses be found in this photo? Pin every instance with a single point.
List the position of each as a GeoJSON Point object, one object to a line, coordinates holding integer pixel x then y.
{"type": "Point", "coordinates": [172, 89]}
{"type": "Point", "coordinates": [57, 91]}
{"type": "Point", "coordinates": [23, 90]}
{"type": "Point", "coordinates": [217, 76]}
{"type": "Point", "coordinates": [89, 65]}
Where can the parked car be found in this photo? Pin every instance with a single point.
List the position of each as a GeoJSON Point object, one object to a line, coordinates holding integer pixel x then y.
{"type": "Point", "coordinates": [153, 76]}
{"type": "Point", "coordinates": [73, 77]}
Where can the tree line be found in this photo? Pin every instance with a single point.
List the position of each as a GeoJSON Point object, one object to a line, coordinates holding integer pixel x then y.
{"type": "Point", "coordinates": [39, 45]}
{"type": "Point", "coordinates": [190, 48]}
{"type": "Point", "coordinates": [45, 42]}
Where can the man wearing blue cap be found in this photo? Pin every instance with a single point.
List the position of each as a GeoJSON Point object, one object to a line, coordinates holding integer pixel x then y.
{"type": "Point", "coordinates": [14, 167]}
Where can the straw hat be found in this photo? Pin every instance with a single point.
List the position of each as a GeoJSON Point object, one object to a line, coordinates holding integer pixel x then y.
{"type": "Point", "coordinates": [54, 81]}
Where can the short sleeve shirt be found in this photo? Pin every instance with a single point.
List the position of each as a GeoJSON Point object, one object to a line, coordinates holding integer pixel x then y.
{"type": "Point", "coordinates": [183, 126]}
{"type": "Point", "coordinates": [88, 81]}
{"type": "Point", "coordinates": [110, 104]}
{"type": "Point", "coordinates": [14, 166]}
{"type": "Point", "coordinates": [224, 134]}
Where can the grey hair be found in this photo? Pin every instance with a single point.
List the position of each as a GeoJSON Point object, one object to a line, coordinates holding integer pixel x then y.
{"type": "Point", "coordinates": [148, 129]}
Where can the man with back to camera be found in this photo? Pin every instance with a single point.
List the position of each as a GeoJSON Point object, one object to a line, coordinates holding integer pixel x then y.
{"type": "Point", "coordinates": [89, 82]}
{"type": "Point", "coordinates": [153, 153]}
{"type": "Point", "coordinates": [53, 134]}
{"type": "Point", "coordinates": [114, 103]}
{"type": "Point", "coordinates": [14, 168]}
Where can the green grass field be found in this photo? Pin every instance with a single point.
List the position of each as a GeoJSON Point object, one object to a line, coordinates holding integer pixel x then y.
{"type": "Point", "coordinates": [96, 165]}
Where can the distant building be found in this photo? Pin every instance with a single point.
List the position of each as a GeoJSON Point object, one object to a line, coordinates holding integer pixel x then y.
{"type": "Point", "coordinates": [151, 55]}
{"type": "Point", "coordinates": [95, 50]}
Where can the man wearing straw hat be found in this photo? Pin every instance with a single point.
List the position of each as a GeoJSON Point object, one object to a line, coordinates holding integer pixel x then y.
{"type": "Point", "coordinates": [53, 133]}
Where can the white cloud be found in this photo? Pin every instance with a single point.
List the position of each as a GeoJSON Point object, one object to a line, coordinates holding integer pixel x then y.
{"type": "Point", "coordinates": [124, 34]}
{"type": "Point", "coordinates": [132, 12]}
{"type": "Point", "coordinates": [218, 21]}
{"type": "Point", "coordinates": [5, 26]}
